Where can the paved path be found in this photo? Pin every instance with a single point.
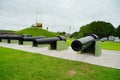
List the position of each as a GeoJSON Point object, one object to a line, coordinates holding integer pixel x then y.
{"type": "Point", "coordinates": [108, 58]}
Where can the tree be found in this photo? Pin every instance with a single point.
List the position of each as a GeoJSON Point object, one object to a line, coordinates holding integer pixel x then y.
{"type": "Point", "coordinates": [79, 35]}
{"type": "Point", "coordinates": [61, 33]}
{"type": "Point", "coordinates": [100, 28]}
{"type": "Point", "coordinates": [118, 31]}
{"type": "Point", "coordinates": [74, 35]}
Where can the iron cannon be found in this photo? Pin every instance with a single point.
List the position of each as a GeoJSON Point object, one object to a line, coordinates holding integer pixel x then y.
{"type": "Point", "coordinates": [52, 41]}
{"type": "Point", "coordinates": [83, 43]}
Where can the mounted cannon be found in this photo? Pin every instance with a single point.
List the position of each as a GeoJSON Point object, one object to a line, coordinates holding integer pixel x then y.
{"type": "Point", "coordinates": [87, 44]}
{"type": "Point", "coordinates": [20, 38]}
{"type": "Point", "coordinates": [57, 43]}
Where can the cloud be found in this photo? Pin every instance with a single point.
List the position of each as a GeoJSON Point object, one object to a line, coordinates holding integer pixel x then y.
{"type": "Point", "coordinates": [57, 15]}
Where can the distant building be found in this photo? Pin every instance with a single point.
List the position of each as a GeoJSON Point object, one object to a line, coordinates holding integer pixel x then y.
{"type": "Point", "coordinates": [37, 25]}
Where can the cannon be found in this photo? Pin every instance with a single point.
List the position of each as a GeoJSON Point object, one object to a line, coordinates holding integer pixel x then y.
{"type": "Point", "coordinates": [54, 42]}
{"type": "Point", "coordinates": [84, 42]}
{"type": "Point", "coordinates": [3, 37]}
{"type": "Point", "coordinates": [30, 38]}
{"type": "Point", "coordinates": [20, 38]}
{"type": "Point", "coordinates": [88, 43]}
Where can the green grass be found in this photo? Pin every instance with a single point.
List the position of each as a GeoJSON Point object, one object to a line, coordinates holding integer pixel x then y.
{"type": "Point", "coordinates": [7, 31]}
{"type": "Point", "coordinates": [111, 45]}
{"type": "Point", "coordinates": [37, 32]}
{"type": "Point", "coordinates": [20, 65]}
{"type": "Point", "coordinates": [69, 41]}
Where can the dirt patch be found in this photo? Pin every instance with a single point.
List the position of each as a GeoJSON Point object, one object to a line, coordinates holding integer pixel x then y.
{"type": "Point", "coordinates": [85, 67]}
{"type": "Point", "coordinates": [71, 73]}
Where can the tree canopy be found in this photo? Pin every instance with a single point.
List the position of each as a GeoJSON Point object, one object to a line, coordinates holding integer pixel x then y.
{"type": "Point", "coordinates": [118, 31]}
{"type": "Point", "coordinates": [100, 28]}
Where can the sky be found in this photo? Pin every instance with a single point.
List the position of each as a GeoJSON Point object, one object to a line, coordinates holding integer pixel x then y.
{"type": "Point", "coordinates": [57, 15]}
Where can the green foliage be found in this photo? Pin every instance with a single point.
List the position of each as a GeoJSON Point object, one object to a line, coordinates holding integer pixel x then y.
{"type": "Point", "coordinates": [79, 35]}
{"type": "Point", "coordinates": [7, 31]}
{"type": "Point", "coordinates": [74, 35]}
{"type": "Point", "coordinates": [118, 31]}
{"type": "Point", "coordinates": [21, 65]}
{"type": "Point", "coordinates": [37, 32]}
{"type": "Point", "coordinates": [61, 33]}
{"type": "Point", "coordinates": [69, 41]}
{"type": "Point", "coordinates": [100, 28]}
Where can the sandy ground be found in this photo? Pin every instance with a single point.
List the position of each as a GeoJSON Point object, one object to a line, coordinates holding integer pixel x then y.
{"type": "Point", "coordinates": [108, 58]}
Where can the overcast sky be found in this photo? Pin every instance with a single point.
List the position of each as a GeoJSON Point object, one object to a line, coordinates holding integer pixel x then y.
{"type": "Point", "coordinates": [57, 15]}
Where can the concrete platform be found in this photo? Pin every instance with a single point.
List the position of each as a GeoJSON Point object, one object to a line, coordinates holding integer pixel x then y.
{"type": "Point", "coordinates": [108, 58]}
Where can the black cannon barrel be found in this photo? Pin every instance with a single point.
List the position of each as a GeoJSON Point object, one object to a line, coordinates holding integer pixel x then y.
{"type": "Point", "coordinates": [63, 38]}
{"type": "Point", "coordinates": [10, 37]}
{"type": "Point", "coordinates": [15, 37]}
{"type": "Point", "coordinates": [50, 40]}
{"type": "Point", "coordinates": [29, 39]}
{"type": "Point", "coordinates": [3, 36]}
{"type": "Point", "coordinates": [32, 38]}
{"type": "Point", "coordinates": [84, 42]}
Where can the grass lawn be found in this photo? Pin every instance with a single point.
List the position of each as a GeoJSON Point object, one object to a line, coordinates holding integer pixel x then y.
{"type": "Point", "coordinates": [111, 45]}
{"type": "Point", "coordinates": [37, 32]}
{"type": "Point", "coordinates": [20, 65]}
{"type": "Point", "coordinates": [69, 41]}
